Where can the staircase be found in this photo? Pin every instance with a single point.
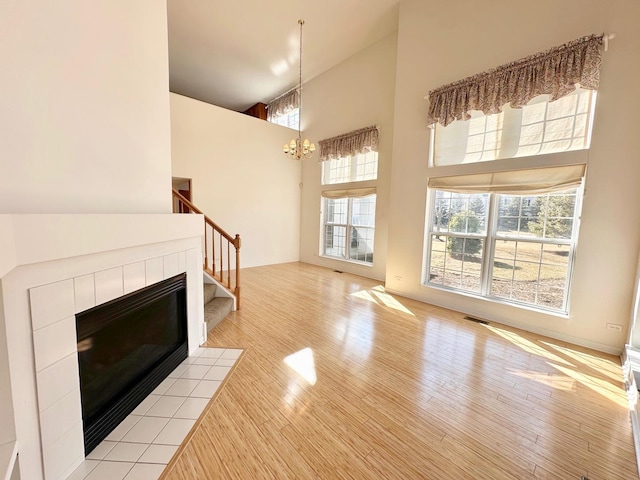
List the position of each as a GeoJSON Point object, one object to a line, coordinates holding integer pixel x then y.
{"type": "Point", "coordinates": [221, 281]}
{"type": "Point", "coordinates": [215, 308]}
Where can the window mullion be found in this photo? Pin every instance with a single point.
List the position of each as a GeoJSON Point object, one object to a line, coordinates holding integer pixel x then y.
{"type": "Point", "coordinates": [487, 255]}
{"type": "Point", "coordinates": [347, 240]}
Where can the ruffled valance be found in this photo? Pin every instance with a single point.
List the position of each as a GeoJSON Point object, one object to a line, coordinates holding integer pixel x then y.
{"type": "Point", "coordinates": [352, 143]}
{"type": "Point", "coordinates": [554, 72]}
{"type": "Point", "coordinates": [283, 104]}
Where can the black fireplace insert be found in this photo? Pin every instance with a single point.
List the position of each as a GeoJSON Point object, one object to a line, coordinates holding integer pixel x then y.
{"type": "Point", "coordinates": [126, 348]}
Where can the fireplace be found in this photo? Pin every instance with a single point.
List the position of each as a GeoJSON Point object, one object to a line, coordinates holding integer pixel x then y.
{"type": "Point", "coordinates": [126, 348]}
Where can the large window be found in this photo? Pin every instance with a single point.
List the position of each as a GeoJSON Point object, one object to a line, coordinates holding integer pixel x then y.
{"type": "Point", "coordinates": [516, 248]}
{"type": "Point", "coordinates": [352, 168]}
{"type": "Point", "coordinates": [349, 227]}
{"type": "Point", "coordinates": [540, 127]}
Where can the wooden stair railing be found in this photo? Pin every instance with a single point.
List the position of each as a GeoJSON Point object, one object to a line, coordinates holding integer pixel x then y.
{"type": "Point", "coordinates": [215, 241]}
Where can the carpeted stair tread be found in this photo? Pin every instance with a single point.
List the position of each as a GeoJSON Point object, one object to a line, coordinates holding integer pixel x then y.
{"type": "Point", "coordinates": [209, 292]}
{"type": "Point", "coordinates": [216, 310]}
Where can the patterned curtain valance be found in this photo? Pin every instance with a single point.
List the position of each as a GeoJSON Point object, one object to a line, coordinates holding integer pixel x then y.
{"type": "Point", "coordinates": [555, 72]}
{"type": "Point", "coordinates": [352, 143]}
{"type": "Point", "coordinates": [283, 104]}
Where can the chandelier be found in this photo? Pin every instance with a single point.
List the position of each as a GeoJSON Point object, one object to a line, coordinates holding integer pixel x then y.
{"type": "Point", "coordinates": [298, 148]}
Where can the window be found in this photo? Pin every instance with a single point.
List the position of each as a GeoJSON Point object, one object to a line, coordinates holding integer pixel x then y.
{"type": "Point", "coordinates": [516, 248]}
{"type": "Point", "coordinates": [290, 119]}
{"type": "Point", "coordinates": [540, 127]}
{"type": "Point", "coordinates": [349, 227]}
{"type": "Point", "coordinates": [352, 168]}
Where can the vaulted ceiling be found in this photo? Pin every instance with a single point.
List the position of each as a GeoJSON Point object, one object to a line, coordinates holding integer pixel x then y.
{"type": "Point", "coordinates": [235, 53]}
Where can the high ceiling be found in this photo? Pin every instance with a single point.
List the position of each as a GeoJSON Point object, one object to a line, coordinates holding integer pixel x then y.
{"type": "Point", "coordinates": [235, 53]}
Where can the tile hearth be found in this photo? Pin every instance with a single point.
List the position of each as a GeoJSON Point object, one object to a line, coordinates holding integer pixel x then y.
{"type": "Point", "coordinates": [142, 445]}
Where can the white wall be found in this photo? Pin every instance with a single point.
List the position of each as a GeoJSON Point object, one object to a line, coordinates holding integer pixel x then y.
{"type": "Point", "coordinates": [357, 93]}
{"type": "Point", "coordinates": [84, 114]}
{"type": "Point", "coordinates": [441, 42]}
{"type": "Point", "coordinates": [241, 178]}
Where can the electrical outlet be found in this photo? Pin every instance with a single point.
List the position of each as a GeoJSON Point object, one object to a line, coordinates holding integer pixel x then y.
{"type": "Point", "coordinates": [614, 326]}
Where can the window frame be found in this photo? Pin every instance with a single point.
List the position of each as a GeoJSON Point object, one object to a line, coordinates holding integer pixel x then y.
{"type": "Point", "coordinates": [353, 168]}
{"type": "Point", "coordinates": [511, 120]}
{"type": "Point", "coordinates": [290, 116]}
{"type": "Point", "coordinates": [490, 237]}
{"type": "Point", "coordinates": [349, 226]}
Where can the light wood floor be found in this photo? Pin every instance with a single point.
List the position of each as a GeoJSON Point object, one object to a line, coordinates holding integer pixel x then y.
{"type": "Point", "coordinates": [340, 380]}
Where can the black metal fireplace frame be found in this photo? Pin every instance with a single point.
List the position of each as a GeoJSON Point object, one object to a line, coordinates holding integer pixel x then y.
{"type": "Point", "coordinates": [112, 415]}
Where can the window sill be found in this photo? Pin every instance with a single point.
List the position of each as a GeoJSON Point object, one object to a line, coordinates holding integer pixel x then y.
{"type": "Point", "coordinates": [354, 262]}
{"type": "Point", "coordinates": [499, 301]}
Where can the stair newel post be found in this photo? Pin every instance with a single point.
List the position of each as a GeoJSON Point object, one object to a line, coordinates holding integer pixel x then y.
{"type": "Point", "coordinates": [237, 243]}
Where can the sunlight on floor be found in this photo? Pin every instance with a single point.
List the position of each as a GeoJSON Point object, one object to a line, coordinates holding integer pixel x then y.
{"type": "Point", "coordinates": [559, 382]}
{"type": "Point", "coordinates": [603, 366]}
{"type": "Point", "coordinates": [527, 345]}
{"type": "Point", "coordinates": [609, 387]}
{"type": "Point", "coordinates": [604, 388]}
{"type": "Point", "coordinates": [302, 362]}
{"type": "Point", "coordinates": [379, 296]}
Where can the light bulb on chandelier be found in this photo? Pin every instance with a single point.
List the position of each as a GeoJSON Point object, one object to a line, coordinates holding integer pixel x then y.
{"type": "Point", "coordinates": [297, 148]}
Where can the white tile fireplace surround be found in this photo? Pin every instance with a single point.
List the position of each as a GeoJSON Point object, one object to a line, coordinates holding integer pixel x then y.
{"type": "Point", "coordinates": [54, 267]}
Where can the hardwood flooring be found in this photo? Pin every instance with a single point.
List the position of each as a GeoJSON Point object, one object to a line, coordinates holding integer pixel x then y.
{"type": "Point", "coordinates": [340, 380]}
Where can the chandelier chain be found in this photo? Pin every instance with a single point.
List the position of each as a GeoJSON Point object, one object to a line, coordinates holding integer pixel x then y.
{"type": "Point", "coordinates": [299, 149]}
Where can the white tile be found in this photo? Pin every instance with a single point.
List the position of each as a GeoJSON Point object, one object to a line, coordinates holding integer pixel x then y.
{"type": "Point", "coordinates": [59, 418]}
{"type": "Point", "coordinates": [217, 373]}
{"type": "Point", "coordinates": [57, 380]}
{"type": "Point", "coordinates": [145, 405]}
{"type": "Point", "coordinates": [50, 303]}
{"type": "Point", "coordinates": [212, 352]}
{"type": "Point", "coordinates": [197, 352]}
{"type": "Point", "coordinates": [83, 470]}
{"type": "Point", "coordinates": [126, 452]}
{"type": "Point", "coordinates": [108, 285]}
{"type": "Point", "coordinates": [145, 471]}
{"type": "Point", "coordinates": [164, 386]}
{"type": "Point", "coordinates": [204, 361]}
{"type": "Point", "coordinates": [192, 408]}
{"type": "Point", "coordinates": [84, 292]}
{"type": "Point", "coordinates": [196, 372]}
{"type": "Point", "coordinates": [158, 454]}
{"type": "Point", "coordinates": [134, 276]}
{"type": "Point", "coordinates": [232, 353]}
{"type": "Point", "coordinates": [205, 389]}
{"type": "Point", "coordinates": [189, 361]}
{"type": "Point", "coordinates": [54, 342]}
{"type": "Point", "coordinates": [101, 450]}
{"type": "Point", "coordinates": [182, 387]}
{"type": "Point", "coordinates": [171, 265]}
{"type": "Point", "coordinates": [154, 269]}
{"type": "Point", "coordinates": [182, 262]}
{"type": "Point", "coordinates": [110, 471]}
{"type": "Point", "coordinates": [145, 430]}
{"type": "Point", "coordinates": [121, 430]}
{"type": "Point", "coordinates": [225, 362]}
{"type": "Point", "coordinates": [63, 455]}
{"type": "Point", "coordinates": [166, 406]}
{"type": "Point", "coordinates": [178, 371]}
{"type": "Point", "coordinates": [174, 432]}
